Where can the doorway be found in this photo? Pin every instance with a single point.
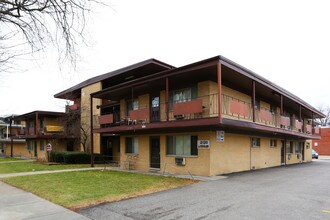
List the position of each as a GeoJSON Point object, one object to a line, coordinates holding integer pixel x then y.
{"type": "Point", "coordinates": [35, 148]}
{"type": "Point", "coordinates": [155, 152]}
{"type": "Point", "coordinates": [110, 148]}
{"type": "Point", "coordinates": [302, 147]}
{"type": "Point", "coordinates": [155, 108]}
{"type": "Point", "coordinates": [282, 152]}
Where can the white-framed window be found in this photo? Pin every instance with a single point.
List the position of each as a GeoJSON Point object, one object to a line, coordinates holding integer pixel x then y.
{"type": "Point", "coordinates": [30, 145]}
{"type": "Point", "coordinates": [255, 142]}
{"type": "Point", "coordinates": [289, 147]}
{"type": "Point", "coordinates": [273, 143]}
{"type": "Point", "coordinates": [132, 145]}
{"type": "Point", "coordinates": [183, 95]}
{"type": "Point", "coordinates": [182, 145]}
{"type": "Point", "coordinates": [299, 146]}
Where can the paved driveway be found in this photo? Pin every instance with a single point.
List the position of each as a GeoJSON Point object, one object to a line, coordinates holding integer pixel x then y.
{"type": "Point", "coordinates": [294, 192]}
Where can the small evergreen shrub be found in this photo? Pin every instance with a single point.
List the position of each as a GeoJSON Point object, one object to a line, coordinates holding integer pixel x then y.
{"type": "Point", "coordinates": [70, 157]}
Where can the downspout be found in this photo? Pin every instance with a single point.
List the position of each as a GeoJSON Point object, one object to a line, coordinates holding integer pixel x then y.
{"type": "Point", "coordinates": [91, 131]}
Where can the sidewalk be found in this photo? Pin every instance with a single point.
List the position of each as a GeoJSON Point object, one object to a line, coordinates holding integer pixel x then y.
{"type": "Point", "coordinates": [321, 157]}
{"type": "Point", "coordinates": [201, 178]}
{"type": "Point", "coordinates": [47, 171]}
{"type": "Point", "coordinates": [18, 204]}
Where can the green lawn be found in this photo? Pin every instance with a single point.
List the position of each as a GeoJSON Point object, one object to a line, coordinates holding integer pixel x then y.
{"type": "Point", "coordinates": [5, 159]}
{"type": "Point", "coordinates": [29, 166]}
{"type": "Point", "coordinates": [84, 188]}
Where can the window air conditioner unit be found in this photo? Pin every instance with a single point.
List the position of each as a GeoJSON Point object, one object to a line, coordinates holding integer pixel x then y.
{"type": "Point", "coordinates": [180, 161]}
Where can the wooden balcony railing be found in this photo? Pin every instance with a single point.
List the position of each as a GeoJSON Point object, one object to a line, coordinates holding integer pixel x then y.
{"type": "Point", "coordinates": [204, 107]}
{"type": "Point", "coordinates": [236, 108]}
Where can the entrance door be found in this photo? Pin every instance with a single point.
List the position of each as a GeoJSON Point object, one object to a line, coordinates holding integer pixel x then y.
{"type": "Point", "coordinates": [282, 152]}
{"type": "Point", "coordinates": [35, 149]}
{"type": "Point", "coordinates": [302, 147]}
{"type": "Point", "coordinates": [154, 152]}
{"type": "Point", "coordinates": [155, 109]}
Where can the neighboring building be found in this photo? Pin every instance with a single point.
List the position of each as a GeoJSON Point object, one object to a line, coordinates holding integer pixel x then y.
{"type": "Point", "coordinates": [10, 144]}
{"type": "Point", "coordinates": [322, 146]}
{"type": "Point", "coordinates": [207, 118]}
{"type": "Point", "coordinates": [44, 128]}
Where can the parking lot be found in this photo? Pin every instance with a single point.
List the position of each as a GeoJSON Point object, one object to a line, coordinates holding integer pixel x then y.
{"type": "Point", "coordinates": [299, 191]}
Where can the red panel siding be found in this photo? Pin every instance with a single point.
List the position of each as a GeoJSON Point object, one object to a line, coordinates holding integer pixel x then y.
{"type": "Point", "coordinates": [266, 115]}
{"type": "Point", "coordinates": [298, 125]}
{"type": "Point", "coordinates": [239, 108]}
{"type": "Point", "coordinates": [141, 114]}
{"type": "Point", "coordinates": [106, 119]}
{"type": "Point", "coordinates": [285, 121]}
{"type": "Point", "coordinates": [191, 107]}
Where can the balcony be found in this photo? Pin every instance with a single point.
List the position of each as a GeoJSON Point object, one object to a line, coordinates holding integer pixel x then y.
{"type": "Point", "coordinates": [195, 112]}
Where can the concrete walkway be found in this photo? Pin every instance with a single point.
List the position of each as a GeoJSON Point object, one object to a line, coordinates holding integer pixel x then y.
{"type": "Point", "coordinates": [48, 171]}
{"type": "Point", "coordinates": [18, 204]}
{"type": "Point", "coordinates": [201, 178]}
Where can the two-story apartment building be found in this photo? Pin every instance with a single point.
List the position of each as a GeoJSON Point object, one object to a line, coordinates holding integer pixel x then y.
{"type": "Point", "coordinates": [45, 128]}
{"type": "Point", "coordinates": [207, 118]}
{"type": "Point", "coordinates": [10, 144]}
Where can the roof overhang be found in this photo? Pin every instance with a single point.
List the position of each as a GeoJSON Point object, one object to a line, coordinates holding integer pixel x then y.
{"type": "Point", "coordinates": [144, 67]}
{"type": "Point", "coordinates": [213, 62]}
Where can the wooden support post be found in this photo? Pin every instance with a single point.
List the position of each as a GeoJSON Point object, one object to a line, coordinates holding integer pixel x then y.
{"type": "Point", "coordinates": [167, 107]}
{"type": "Point", "coordinates": [91, 131]}
{"type": "Point", "coordinates": [253, 100]}
{"type": "Point", "coordinates": [36, 124]}
{"type": "Point", "coordinates": [219, 92]}
{"type": "Point", "coordinates": [11, 137]}
{"type": "Point", "coordinates": [281, 111]}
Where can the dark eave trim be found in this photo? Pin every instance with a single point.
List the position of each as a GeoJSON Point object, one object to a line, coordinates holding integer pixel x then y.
{"type": "Point", "coordinates": [43, 113]}
{"type": "Point", "coordinates": [111, 74]}
{"type": "Point", "coordinates": [252, 75]}
{"type": "Point", "coordinates": [160, 75]}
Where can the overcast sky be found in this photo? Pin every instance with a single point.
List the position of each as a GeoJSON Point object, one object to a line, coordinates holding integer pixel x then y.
{"type": "Point", "coordinates": [287, 42]}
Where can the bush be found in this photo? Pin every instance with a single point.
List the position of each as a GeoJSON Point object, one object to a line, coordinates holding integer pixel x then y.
{"type": "Point", "coordinates": [70, 157]}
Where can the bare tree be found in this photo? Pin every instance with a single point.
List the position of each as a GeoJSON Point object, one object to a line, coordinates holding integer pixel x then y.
{"type": "Point", "coordinates": [40, 22]}
{"type": "Point", "coordinates": [324, 121]}
{"type": "Point", "coordinates": [76, 128]}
